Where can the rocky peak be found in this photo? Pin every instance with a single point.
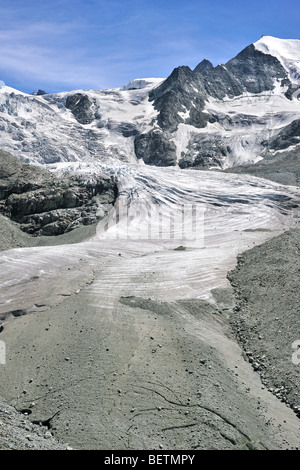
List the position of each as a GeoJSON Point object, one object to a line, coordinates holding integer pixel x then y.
{"type": "Point", "coordinates": [183, 97]}
{"type": "Point", "coordinates": [205, 65]}
{"type": "Point", "coordinates": [255, 71]}
{"type": "Point", "coordinates": [175, 95]}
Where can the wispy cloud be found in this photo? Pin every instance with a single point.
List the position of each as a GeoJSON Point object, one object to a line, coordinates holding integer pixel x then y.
{"type": "Point", "coordinates": [44, 52]}
{"type": "Point", "coordinates": [68, 44]}
{"type": "Point", "coordinates": [63, 55]}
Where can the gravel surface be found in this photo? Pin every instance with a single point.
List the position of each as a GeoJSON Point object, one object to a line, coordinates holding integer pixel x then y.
{"type": "Point", "coordinates": [18, 433]}
{"type": "Point", "coordinates": [266, 318]}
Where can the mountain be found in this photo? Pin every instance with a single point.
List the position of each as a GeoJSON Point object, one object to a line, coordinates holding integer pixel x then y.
{"type": "Point", "coordinates": [219, 117]}
{"type": "Point", "coordinates": [209, 117]}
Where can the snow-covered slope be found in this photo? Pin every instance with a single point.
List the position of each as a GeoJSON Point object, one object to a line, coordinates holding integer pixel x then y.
{"type": "Point", "coordinates": [287, 51]}
{"type": "Point", "coordinates": [42, 129]}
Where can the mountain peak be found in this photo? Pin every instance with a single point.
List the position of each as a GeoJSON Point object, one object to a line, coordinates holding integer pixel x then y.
{"type": "Point", "coordinates": [204, 65]}
{"type": "Point", "coordinates": [287, 51]}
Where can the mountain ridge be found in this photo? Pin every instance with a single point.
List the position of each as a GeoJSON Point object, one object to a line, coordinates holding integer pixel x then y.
{"type": "Point", "coordinates": [209, 117]}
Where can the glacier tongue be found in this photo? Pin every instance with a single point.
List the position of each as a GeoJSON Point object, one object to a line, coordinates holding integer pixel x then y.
{"type": "Point", "coordinates": [233, 213]}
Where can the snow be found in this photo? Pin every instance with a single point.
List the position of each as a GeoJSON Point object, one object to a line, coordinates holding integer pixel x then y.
{"type": "Point", "coordinates": [140, 83]}
{"type": "Point", "coordinates": [287, 51]}
{"type": "Point", "coordinates": [8, 90]}
{"type": "Point", "coordinates": [266, 113]}
{"type": "Point", "coordinates": [233, 213]}
{"type": "Point", "coordinates": [43, 129]}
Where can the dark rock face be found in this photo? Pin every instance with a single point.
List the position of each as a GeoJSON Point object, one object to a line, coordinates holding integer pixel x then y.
{"type": "Point", "coordinates": [256, 71]}
{"type": "Point", "coordinates": [155, 149]}
{"type": "Point", "coordinates": [177, 95]}
{"type": "Point", "coordinates": [204, 153]}
{"type": "Point", "coordinates": [250, 71]}
{"type": "Point", "coordinates": [45, 205]}
{"type": "Point", "coordinates": [289, 135]}
{"type": "Point", "coordinates": [293, 91]}
{"type": "Point", "coordinates": [81, 107]}
{"type": "Point", "coordinates": [204, 66]}
{"type": "Point", "coordinates": [127, 129]}
{"type": "Point", "coordinates": [219, 82]}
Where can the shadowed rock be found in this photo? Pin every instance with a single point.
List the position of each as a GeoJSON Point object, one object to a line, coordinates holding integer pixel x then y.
{"type": "Point", "coordinates": [81, 108]}
{"type": "Point", "coordinates": [45, 205]}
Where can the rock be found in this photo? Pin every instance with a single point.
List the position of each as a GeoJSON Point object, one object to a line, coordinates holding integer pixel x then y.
{"type": "Point", "coordinates": [17, 431]}
{"type": "Point", "coordinates": [181, 98]}
{"type": "Point", "coordinates": [204, 66]}
{"type": "Point", "coordinates": [127, 129]}
{"type": "Point", "coordinates": [287, 136]}
{"type": "Point", "coordinates": [81, 107]}
{"type": "Point", "coordinates": [155, 148]}
{"type": "Point", "coordinates": [204, 152]}
{"type": "Point", "coordinates": [255, 71]}
{"type": "Point", "coordinates": [45, 205]}
{"type": "Point", "coordinates": [270, 352]}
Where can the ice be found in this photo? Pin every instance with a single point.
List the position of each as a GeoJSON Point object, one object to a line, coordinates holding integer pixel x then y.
{"type": "Point", "coordinates": [233, 213]}
{"type": "Point", "coordinates": [267, 113]}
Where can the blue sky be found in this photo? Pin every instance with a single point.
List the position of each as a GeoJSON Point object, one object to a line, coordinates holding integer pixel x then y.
{"type": "Point", "coordinates": [60, 45]}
